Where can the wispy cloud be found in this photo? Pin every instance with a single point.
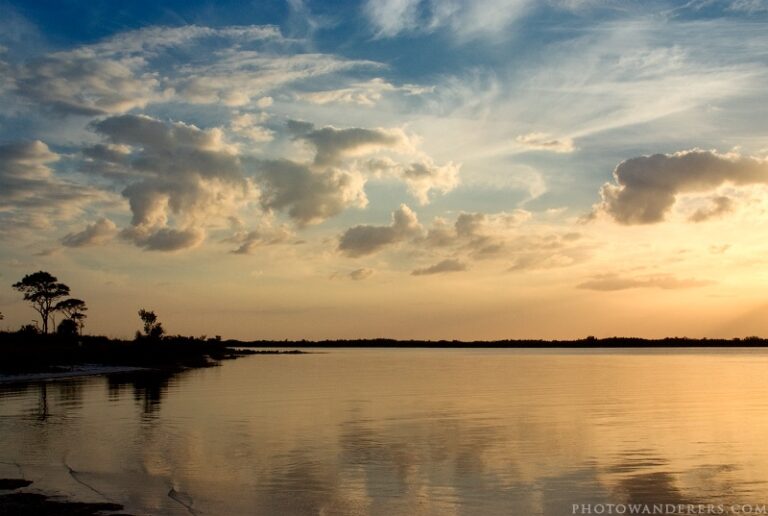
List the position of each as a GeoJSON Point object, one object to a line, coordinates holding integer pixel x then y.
{"type": "Point", "coordinates": [612, 282]}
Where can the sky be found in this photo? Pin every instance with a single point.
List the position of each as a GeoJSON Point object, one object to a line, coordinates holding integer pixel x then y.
{"type": "Point", "coordinates": [426, 169]}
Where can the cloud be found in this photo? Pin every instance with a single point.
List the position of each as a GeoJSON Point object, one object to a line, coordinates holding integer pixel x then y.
{"type": "Point", "coordinates": [188, 178]}
{"type": "Point", "coordinates": [545, 142]}
{"type": "Point", "coordinates": [249, 241]}
{"type": "Point", "coordinates": [449, 265]}
{"type": "Point", "coordinates": [721, 205]}
{"type": "Point", "coordinates": [355, 275]}
{"type": "Point", "coordinates": [235, 76]}
{"type": "Point", "coordinates": [249, 126]}
{"type": "Point", "coordinates": [361, 274]}
{"type": "Point", "coordinates": [165, 239]}
{"type": "Point", "coordinates": [481, 234]}
{"type": "Point", "coordinates": [332, 144]}
{"type": "Point", "coordinates": [80, 82]}
{"type": "Point", "coordinates": [749, 6]}
{"type": "Point", "coordinates": [391, 17]}
{"type": "Point", "coordinates": [133, 69]}
{"type": "Point", "coordinates": [310, 196]}
{"type": "Point", "coordinates": [541, 256]}
{"type": "Point", "coordinates": [31, 193]}
{"type": "Point", "coordinates": [613, 282]}
{"type": "Point", "coordinates": [466, 18]}
{"type": "Point", "coordinates": [338, 147]}
{"type": "Point", "coordinates": [153, 39]}
{"type": "Point", "coordinates": [367, 93]}
{"type": "Point", "coordinates": [471, 236]}
{"type": "Point", "coordinates": [364, 239]}
{"type": "Point", "coordinates": [421, 177]}
{"type": "Point", "coordinates": [504, 236]}
{"type": "Point", "coordinates": [646, 187]}
{"type": "Point", "coordinates": [100, 232]}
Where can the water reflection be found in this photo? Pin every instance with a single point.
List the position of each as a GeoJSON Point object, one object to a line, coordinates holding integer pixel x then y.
{"type": "Point", "coordinates": [147, 388]}
{"type": "Point", "coordinates": [357, 432]}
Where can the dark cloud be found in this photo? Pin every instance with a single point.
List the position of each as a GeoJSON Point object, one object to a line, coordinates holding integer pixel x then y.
{"type": "Point", "coordinates": [299, 127]}
{"type": "Point", "coordinates": [645, 188]}
{"type": "Point", "coordinates": [365, 239]}
{"type": "Point", "coordinates": [165, 239]}
{"type": "Point", "coordinates": [449, 265]}
{"type": "Point", "coordinates": [100, 232]}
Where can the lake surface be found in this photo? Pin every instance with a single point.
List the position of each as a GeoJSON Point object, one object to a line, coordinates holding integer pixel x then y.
{"type": "Point", "coordinates": [402, 432]}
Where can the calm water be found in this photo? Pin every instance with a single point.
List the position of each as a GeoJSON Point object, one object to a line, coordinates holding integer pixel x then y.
{"type": "Point", "coordinates": [402, 432]}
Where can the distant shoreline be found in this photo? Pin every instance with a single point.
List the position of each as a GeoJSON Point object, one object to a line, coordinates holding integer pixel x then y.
{"type": "Point", "coordinates": [588, 343]}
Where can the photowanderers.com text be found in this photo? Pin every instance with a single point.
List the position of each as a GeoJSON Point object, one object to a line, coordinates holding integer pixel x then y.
{"type": "Point", "coordinates": [668, 508]}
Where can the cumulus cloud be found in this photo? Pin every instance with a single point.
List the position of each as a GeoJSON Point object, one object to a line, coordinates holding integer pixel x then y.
{"type": "Point", "coordinates": [503, 236]}
{"type": "Point", "coordinates": [545, 142]}
{"type": "Point", "coordinates": [421, 177]}
{"type": "Point", "coordinates": [613, 282]}
{"type": "Point", "coordinates": [646, 187]}
{"type": "Point", "coordinates": [165, 239]}
{"type": "Point", "coordinates": [337, 176]}
{"type": "Point", "coordinates": [332, 144]}
{"type": "Point", "coordinates": [310, 196]}
{"type": "Point", "coordinates": [100, 232]}
{"type": "Point", "coordinates": [365, 239]}
{"type": "Point", "coordinates": [249, 126]}
{"type": "Point", "coordinates": [449, 265]}
{"type": "Point", "coordinates": [481, 234]}
{"type": "Point", "coordinates": [188, 178]}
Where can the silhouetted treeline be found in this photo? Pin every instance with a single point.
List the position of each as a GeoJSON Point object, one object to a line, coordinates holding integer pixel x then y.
{"type": "Point", "coordinates": [31, 351]}
{"type": "Point", "coordinates": [589, 342]}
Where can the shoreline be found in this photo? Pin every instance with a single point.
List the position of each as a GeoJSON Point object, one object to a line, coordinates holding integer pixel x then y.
{"type": "Point", "coordinates": [74, 372]}
{"type": "Point", "coordinates": [14, 499]}
{"type": "Point", "coordinates": [576, 344]}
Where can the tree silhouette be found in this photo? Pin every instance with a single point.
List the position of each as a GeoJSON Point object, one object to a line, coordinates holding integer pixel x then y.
{"type": "Point", "coordinates": [74, 310]}
{"type": "Point", "coordinates": [43, 290]}
{"type": "Point", "coordinates": [152, 328]}
{"type": "Point", "coordinates": [67, 328]}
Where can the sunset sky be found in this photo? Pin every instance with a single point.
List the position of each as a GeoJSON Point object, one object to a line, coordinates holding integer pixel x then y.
{"type": "Point", "coordinates": [391, 168]}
